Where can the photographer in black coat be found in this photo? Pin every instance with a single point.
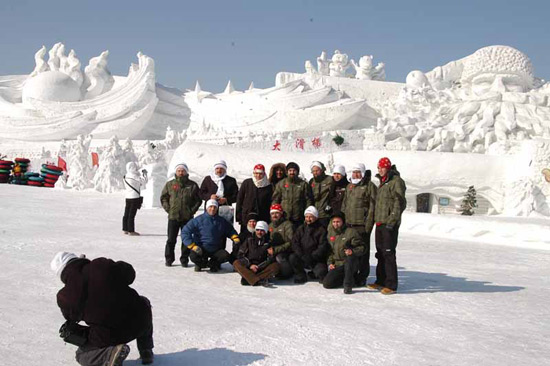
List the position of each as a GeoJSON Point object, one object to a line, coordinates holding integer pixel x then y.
{"type": "Point", "coordinates": [98, 293]}
{"type": "Point", "coordinates": [310, 248]}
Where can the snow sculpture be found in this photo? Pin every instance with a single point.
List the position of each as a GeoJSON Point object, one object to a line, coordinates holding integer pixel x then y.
{"type": "Point", "coordinates": [41, 64]}
{"type": "Point", "coordinates": [483, 103]}
{"type": "Point", "coordinates": [128, 152]}
{"type": "Point", "coordinates": [58, 101]}
{"type": "Point", "coordinates": [78, 160]}
{"type": "Point", "coordinates": [310, 70]}
{"type": "Point", "coordinates": [339, 64]}
{"type": "Point", "coordinates": [366, 71]}
{"type": "Point", "coordinates": [98, 78]}
{"type": "Point", "coordinates": [109, 176]}
{"type": "Point", "coordinates": [323, 64]}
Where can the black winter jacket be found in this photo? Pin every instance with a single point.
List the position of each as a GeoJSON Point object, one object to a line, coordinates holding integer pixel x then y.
{"type": "Point", "coordinates": [230, 189]}
{"type": "Point", "coordinates": [253, 199]}
{"type": "Point", "coordinates": [254, 251]}
{"type": "Point", "coordinates": [311, 240]}
{"type": "Point", "coordinates": [115, 312]}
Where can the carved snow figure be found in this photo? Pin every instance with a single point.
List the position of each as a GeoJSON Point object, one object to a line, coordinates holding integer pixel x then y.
{"type": "Point", "coordinates": [62, 58]}
{"type": "Point", "coordinates": [310, 70]}
{"type": "Point", "coordinates": [53, 60]}
{"type": "Point", "coordinates": [323, 64]}
{"type": "Point", "coordinates": [73, 68]}
{"type": "Point", "coordinates": [339, 64]}
{"type": "Point", "coordinates": [98, 79]}
{"type": "Point", "coordinates": [79, 167]}
{"type": "Point", "coordinates": [109, 176]}
{"type": "Point", "coordinates": [41, 64]}
{"type": "Point", "coordinates": [366, 71]}
{"type": "Point", "coordinates": [482, 103]}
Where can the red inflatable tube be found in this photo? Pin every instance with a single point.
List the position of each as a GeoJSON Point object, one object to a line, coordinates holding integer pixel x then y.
{"type": "Point", "coordinates": [52, 167]}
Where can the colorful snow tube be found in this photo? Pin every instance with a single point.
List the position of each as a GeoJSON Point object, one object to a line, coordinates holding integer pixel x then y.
{"type": "Point", "coordinates": [31, 174]}
{"type": "Point", "coordinates": [52, 167]}
{"type": "Point", "coordinates": [36, 179]}
{"type": "Point", "coordinates": [49, 185]}
{"type": "Point", "coordinates": [5, 171]}
{"type": "Point", "coordinates": [34, 183]}
{"type": "Point", "coordinates": [49, 171]}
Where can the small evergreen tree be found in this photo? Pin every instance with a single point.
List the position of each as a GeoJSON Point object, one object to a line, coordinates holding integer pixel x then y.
{"type": "Point", "coordinates": [338, 140]}
{"type": "Point", "coordinates": [469, 202]}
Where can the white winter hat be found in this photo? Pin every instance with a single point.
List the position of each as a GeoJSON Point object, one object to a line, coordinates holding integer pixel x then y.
{"type": "Point", "coordinates": [221, 164]}
{"type": "Point", "coordinates": [317, 164]}
{"type": "Point", "coordinates": [359, 167]}
{"type": "Point", "coordinates": [182, 165]}
{"type": "Point", "coordinates": [262, 225]}
{"type": "Point", "coordinates": [211, 203]}
{"type": "Point", "coordinates": [340, 169]}
{"type": "Point", "coordinates": [60, 261]}
{"type": "Point", "coordinates": [312, 211]}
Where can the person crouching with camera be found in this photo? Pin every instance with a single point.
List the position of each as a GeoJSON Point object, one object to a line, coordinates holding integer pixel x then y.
{"type": "Point", "coordinates": [98, 292]}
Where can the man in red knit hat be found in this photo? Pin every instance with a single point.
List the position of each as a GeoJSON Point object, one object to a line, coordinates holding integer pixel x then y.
{"type": "Point", "coordinates": [390, 204]}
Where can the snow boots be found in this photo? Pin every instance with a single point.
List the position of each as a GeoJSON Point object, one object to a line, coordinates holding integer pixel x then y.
{"type": "Point", "coordinates": [146, 356]}
{"type": "Point", "coordinates": [118, 355]}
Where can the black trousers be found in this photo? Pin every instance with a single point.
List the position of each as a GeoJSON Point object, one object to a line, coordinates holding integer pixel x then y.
{"type": "Point", "coordinates": [174, 229]}
{"type": "Point", "coordinates": [209, 259]}
{"type": "Point", "coordinates": [89, 355]}
{"type": "Point", "coordinates": [130, 211]}
{"type": "Point", "coordinates": [364, 260]}
{"type": "Point", "coordinates": [319, 269]}
{"type": "Point", "coordinates": [386, 269]}
{"type": "Point", "coordinates": [342, 275]}
{"type": "Point", "coordinates": [285, 268]}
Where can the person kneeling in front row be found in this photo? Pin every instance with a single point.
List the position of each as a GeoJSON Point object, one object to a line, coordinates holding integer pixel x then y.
{"type": "Point", "coordinates": [347, 248]}
{"type": "Point", "coordinates": [254, 263]}
{"type": "Point", "coordinates": [205, 235]}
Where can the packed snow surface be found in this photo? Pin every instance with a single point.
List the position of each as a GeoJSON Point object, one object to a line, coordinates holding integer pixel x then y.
{"type": "Point", "coordinates": [460, 302]}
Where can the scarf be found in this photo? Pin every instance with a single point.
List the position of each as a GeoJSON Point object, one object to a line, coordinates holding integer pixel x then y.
{"type": "Point", "coordinates": [342, 183]}
{"type": "Point", "coordinates": [219, 183]}
{"type": "Point", "coordinates": [260, 183]}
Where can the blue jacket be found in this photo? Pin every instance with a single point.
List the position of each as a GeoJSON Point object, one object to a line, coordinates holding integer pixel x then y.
{"type": "Point", "coordinates": [208, 232]}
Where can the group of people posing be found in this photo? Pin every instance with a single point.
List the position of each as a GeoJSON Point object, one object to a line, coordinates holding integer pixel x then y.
{"type": "Point", "coordinates": [318, 230]}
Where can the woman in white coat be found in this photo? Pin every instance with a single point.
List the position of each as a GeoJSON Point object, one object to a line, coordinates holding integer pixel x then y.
{"type": "Point", "coordinates": [133, 182]}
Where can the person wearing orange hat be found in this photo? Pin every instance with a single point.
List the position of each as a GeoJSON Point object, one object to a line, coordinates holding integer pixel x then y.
{"type": "Point", "coordinates": [390, 204]}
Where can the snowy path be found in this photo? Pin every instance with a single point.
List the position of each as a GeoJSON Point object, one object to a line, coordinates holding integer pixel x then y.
{"type": "Point", "coordinates": [459, 303]}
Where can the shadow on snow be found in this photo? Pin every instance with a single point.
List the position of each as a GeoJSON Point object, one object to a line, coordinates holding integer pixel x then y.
{"type": "Point", "coordinates": [412, 282]}
{"type": "Point", "coordinates": [205, 357]}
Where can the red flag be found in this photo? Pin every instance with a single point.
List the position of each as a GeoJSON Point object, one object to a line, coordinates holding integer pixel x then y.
{"type": "Point", "coordinates": [95, 159]}
{"type": "Point", "coordinates": [61, 163]}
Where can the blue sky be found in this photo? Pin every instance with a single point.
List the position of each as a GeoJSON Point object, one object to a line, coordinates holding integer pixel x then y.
{"type": "Point", "coordinates": [213, 41]}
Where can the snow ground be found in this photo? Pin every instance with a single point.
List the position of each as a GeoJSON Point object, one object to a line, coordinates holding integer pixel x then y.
{"type": "Point", "coordinates": [460, 302]}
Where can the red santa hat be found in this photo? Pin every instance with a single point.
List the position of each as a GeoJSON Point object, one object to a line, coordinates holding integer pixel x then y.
{"type": "Point", "coordinates": [259, 168]}
{"type": "Point", "coordinates": [276, 208]}
{"type": "Point", "coordinates": [384, 163]}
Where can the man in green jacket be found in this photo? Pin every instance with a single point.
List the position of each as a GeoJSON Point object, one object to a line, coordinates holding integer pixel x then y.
{"type": "Point", "coordinates": [180, 199]}
{"type": "Point", "coordinates": [281, 232]}
{"type": "Point", "coordinates": [294, 195]}
{"type": "Point", "coordinates": [347, 249]}
{"type": "Point", "coordinates": [320, 186]}
{"type": "Point", "coordinates": [359, 205]}
{"type": "Point", "coordinates": [390, 204]}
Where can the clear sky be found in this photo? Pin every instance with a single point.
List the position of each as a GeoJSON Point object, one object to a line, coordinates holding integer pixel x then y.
{"type": "Point", "coordinates": [213, 41]}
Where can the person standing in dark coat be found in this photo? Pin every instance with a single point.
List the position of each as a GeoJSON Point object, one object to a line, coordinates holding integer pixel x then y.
{"type": "Point", "coordinates": [254, 263]}
{"type": "Point", "coordinates": [254, 196]}
{"type": "Point", "coordinates": [180, 199]}
{"type": "Point", "coordinates": [320, 187]}
{"type": "Point", "coordinates": [310, 248]}
{"type": "Point", "coordinates": [358, 206]}
{"type": "Point", "coordinates": [293, 194]}
{"type": "Point", "coordinates": [98, 292]}
{"type": "Point", "coordinates": [390, 204]}
{"type": "Point", "coordinates": [219, 186]}
{"type": "Point", "coordinates": [277, 173]}
{"type": "Point", "coordinates": [337, 189]}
